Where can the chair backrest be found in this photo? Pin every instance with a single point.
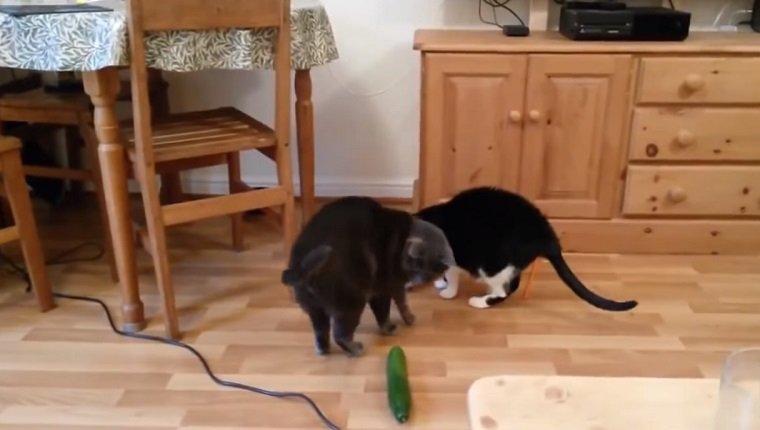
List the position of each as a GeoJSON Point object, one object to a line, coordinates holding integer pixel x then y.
{"type": "Point", "coordinates": [165, 15]}
{"type": "Point", "coordinates": [157, 15]}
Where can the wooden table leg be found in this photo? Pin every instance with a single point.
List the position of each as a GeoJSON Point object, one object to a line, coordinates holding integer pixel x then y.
{"type": "Point", "coordinates": [103, 87]}
{"type": "Point", "coordinates": [305, 130]}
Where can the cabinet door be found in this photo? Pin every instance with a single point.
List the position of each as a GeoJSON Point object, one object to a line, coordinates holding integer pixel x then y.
{"type": "Point", "coordinates": [576, 110]}
{"type": "Point", "coordinates": [471, 122]}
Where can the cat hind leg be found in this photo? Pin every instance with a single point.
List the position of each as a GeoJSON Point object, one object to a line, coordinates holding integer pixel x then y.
{"type": "Point", "coordinates": [497, 285]}
{"type": "Point", "coordinates": [320, 323]}
{"type": "Point", "coordinates": [381, 308]}
{"type": "Point", "coordinates": [344, 327]}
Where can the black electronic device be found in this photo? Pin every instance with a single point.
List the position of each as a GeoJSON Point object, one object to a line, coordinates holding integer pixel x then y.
{"type": "Point", "coordinates": [602, 21]}
{"type": "Point", "coordinates": [516, 30]}
{"type": "Point", "coordinates": [755, 21]}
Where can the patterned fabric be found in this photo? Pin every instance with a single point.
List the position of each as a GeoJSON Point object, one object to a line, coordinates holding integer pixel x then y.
{"type": "Point", "coordinates": [92, 41]}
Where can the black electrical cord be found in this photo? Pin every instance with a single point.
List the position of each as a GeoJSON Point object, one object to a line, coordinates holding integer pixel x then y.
{"type": "Point", "coordinates": [497, 4]}
{"type": "Point", "coordinates": [60, 260]}
{"type": "Point", "coordinates": [672, 6]}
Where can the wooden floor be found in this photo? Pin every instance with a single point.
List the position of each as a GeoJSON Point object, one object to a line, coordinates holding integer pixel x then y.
{"type": "Point", "coordinates": [67, 370]}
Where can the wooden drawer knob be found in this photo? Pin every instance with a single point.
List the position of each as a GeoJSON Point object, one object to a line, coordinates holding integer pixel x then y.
{"type": "Point", "coordinates": [694, 82]}
{"type": "Point", "coordinates": [676, 194]}
{"type": "Point", "coordinates": [534, 115]}
{"type": "Point", "coordinates": [515, 116]}
{"type": "Point", "coordinates": [685, 138]}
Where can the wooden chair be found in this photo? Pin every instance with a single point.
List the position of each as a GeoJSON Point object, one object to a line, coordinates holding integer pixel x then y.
{"type": "Point", "coordinates": [62, 110]}
{"type": "Point", "coordinates": [205, 137]}
{"type": "Point", "coordinates": [25, 101]}
{"type": "Point", "coordinates": [158, 89]}
{"type": "Point", "coordinates": [15, 191]}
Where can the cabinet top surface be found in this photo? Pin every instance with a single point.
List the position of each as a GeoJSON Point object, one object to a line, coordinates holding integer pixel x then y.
{"type": "Point", "coordinates": [439, 40]}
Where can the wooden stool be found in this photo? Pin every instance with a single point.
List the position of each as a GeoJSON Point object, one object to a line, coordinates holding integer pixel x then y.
{"type": "Point", "coordinates": [15, 190]}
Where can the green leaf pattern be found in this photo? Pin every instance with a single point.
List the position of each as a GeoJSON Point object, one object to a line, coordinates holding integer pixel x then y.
{"type": "Point", "coordinates": [92, 41]}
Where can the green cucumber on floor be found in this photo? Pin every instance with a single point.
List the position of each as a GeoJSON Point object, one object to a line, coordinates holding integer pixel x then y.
{"type": "Point", "coordinates": [399, 394]}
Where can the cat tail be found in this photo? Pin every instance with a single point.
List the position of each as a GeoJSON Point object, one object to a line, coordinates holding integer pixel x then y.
{"type": "Point", "coordinates": [312, 262]}
{"type": "Point", "coordinates": [568, 277]}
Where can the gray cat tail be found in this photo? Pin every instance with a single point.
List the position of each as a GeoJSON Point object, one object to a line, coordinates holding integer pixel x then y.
{"type": "Point", "coordinates": [311, 262]}
{"type": "Point", "coordinates": [569, 278]}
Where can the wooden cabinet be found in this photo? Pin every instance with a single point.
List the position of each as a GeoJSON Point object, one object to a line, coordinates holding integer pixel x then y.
{"type": "Point", "coordinates": [625, 146]}
{"type": "Point", "coordinates": [473, 106]}
{"type": "Point", "coordinates": [573, 136]}
{"type": "Point", "coordinates": [549, 126]}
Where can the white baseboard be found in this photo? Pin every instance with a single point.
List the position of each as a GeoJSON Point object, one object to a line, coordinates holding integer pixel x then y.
{"type": "Point", "coordinates": [326, 188]}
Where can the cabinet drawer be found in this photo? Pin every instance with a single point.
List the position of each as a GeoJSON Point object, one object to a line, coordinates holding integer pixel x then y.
{"type": "Point", "coordinates": [696, 134]}
{"type": "Point", "coordinates": [693, 190]}
{"type": "Point", "coordinates": [699, 80]}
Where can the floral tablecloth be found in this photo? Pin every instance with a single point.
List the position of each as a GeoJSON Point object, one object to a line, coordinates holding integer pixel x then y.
{"type": "Point", "coordinates": [92, 41]}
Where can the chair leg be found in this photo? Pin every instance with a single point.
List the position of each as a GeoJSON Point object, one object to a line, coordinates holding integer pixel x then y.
{"type": "Point", "coordinates": [289, 223]}
{"type": "Point", "coordinates": [21, 205]}
{"type": "Point", "coordinates": [74, 158]}
{"type": "Point", "coordinates": [171, 188]}
{"type": "Point", "coordinates": [285, 178]}
{"type": "Point", "coordinates": [91, 148]}
{"type": "Point", "coordinates": [234, 177]}
{"type": "Point", "coordinates": [5, 211]}
{"type": "Point", "coordinates": [159, 251]}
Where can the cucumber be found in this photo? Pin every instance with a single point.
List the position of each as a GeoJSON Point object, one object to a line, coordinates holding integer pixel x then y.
{"type": "Point", "coordinates": [399, 394]}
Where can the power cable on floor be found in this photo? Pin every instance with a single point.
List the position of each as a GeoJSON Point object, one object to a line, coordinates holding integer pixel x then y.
{"type": "Point", "coordinates": [231, 384]}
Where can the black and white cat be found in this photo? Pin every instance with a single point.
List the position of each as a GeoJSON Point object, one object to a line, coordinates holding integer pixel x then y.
{"type": "Point", "coordinates": [495, 234]}
{"type": "Point", "coordinates": [355, 252]}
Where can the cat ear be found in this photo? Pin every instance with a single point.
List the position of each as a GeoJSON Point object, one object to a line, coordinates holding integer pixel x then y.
{"type": "Point", "coordinates": [315, 258]}
{"type": "Point", "coordinates": [414, 247]}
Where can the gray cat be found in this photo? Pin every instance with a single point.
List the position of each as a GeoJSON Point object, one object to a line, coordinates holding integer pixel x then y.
{"type": "Point", "coordinates": [354, 251]}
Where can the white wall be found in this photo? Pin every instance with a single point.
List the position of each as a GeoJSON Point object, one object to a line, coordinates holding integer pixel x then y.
{"type": "Point", "coordinates": [367, 102]}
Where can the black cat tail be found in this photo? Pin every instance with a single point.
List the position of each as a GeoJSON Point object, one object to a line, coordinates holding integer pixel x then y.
{"type": "Point", "coordinates": [569, 278]}
{"type": "Point", "coordinates": [313, 260]}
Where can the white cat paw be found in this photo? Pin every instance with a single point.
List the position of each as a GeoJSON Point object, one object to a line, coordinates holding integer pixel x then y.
{"type": "Point", "coordinates": [479, 302]}
{"type": "Point", "coordinates": [448, 293]}
{"type": "Point", "coordinates": [440, 283]}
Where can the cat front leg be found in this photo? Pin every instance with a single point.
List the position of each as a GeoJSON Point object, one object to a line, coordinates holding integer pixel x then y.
{"type": "Point", "coordinates": [399, 297]}
{"type": "Point", "coordinates": [497, 285]}
{"type": "Point", "coordinates": [344, 327]}
{"type": "Point", "coordinates": [381, 307]}
{"type": "Point", "coordinates": [451, 288]}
